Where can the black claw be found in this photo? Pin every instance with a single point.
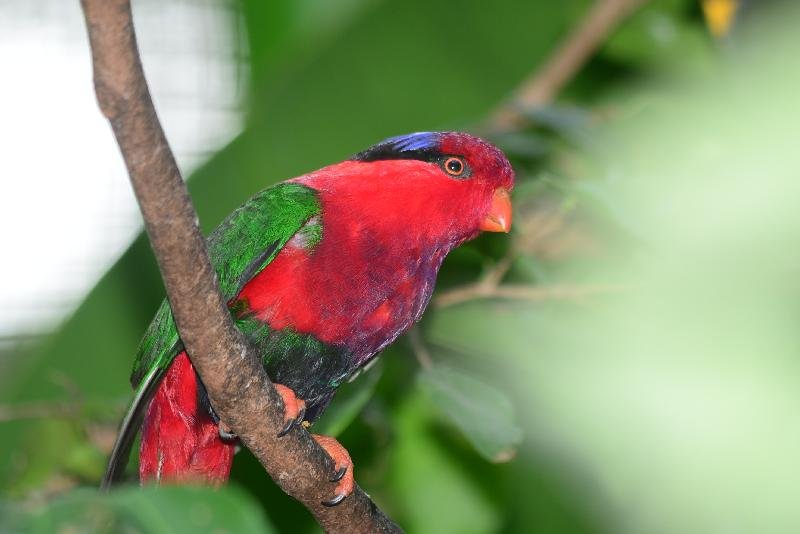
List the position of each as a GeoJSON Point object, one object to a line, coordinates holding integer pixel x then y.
{"type": "Point", "coordinates": [336, 500]}
{"type": "Point", "coordinates": [289, 424]}
{"type": "Point", "coordinates": [337, 476]}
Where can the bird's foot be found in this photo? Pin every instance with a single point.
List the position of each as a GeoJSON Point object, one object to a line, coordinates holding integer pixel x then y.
{"type": "Point", "coordinates": [295, 409]}
{"type": "Point", "coordinates": [343, 466]}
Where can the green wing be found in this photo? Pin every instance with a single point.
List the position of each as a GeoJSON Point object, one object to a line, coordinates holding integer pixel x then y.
{"type": "Point", "coordinates": [241, 246]}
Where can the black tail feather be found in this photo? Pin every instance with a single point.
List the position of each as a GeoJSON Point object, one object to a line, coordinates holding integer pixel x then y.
{"type": "Point", "coordinates": [130, 427]}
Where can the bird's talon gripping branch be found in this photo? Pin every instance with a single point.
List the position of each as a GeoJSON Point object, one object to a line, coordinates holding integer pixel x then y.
{"type": "Point", "coordinates": [343, 465]}
{"type": "Point", "coordinates": [285, 430]}
{"type": "Point", "coordinates": [336, 500]}
{"type": "Point", "coordinates": [295, 409]}
{"type": "Point", "coordinates": [337, 476]}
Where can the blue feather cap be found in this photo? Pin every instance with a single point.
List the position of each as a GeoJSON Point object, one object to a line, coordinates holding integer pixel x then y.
{"type": "Point", "coordinates": [419, 145]}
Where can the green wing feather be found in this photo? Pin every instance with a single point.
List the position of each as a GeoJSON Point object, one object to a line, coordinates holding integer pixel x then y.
{"type": "Point", "coordinates": [240, 247]}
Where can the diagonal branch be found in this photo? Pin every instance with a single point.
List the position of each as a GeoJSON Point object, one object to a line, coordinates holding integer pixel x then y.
{"type": "Point", "coordinates": [470, 292]}
{"type": "Point", "coordinates": [541, 87]}
{"type": "Point", "coordinates": [237, 385]}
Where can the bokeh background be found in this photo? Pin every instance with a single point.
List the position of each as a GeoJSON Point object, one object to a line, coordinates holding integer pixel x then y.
{"type": "Point", "coordinates": [626, 360]}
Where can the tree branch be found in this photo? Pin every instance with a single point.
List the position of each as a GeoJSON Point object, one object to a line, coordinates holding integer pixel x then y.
{"type": "Point", "coordinates": [478, 290]}
{"type": "Point", "coordinates": [232, 372]}
{"type": "Point", "coordinates": [541, 87]}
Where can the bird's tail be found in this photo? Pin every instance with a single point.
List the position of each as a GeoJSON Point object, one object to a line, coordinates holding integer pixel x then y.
{"type": "Point", "coordinates": [180, 442]}
{"type": "Point", "coordinates": [130, 426]}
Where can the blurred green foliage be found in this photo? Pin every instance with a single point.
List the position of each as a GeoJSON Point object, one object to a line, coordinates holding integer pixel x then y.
{"type": "Point", "coordinates": [655, 402]}
{"type": "Point", "coordinates": [157, 510]}
{"type": "Point", "coordinates": [483, 414]}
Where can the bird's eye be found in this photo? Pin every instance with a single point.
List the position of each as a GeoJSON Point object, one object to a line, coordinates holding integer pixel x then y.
{"type": "Point", "coordinates": [454, 166]}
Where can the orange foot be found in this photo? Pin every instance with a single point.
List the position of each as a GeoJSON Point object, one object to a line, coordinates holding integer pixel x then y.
{"type": "Point", "coordinates": [343, 465]}
{"type": "Point", "coordinates": [294, 412]}
{"type": "Point", "coordinates": [295, 409]}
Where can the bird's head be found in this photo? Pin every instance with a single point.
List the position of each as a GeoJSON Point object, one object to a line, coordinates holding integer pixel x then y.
{"type": "Point", "coordinates": [447, 186]}
{"type": "Point", "coordinates": [475, 172]}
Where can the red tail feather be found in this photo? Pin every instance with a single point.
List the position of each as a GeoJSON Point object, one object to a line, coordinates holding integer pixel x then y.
{"type": "Point", "coordinates": [180, 442]}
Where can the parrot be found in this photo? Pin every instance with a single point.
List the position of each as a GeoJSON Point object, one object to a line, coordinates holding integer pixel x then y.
{"type": "Point", "coordinates": [320, 273]}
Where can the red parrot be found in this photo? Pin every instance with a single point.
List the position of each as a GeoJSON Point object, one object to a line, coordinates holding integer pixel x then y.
{"type": "Point", "coordinates": [321, 273]}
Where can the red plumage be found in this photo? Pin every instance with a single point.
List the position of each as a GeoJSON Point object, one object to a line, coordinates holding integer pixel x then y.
{"type": "Point", "coordinates": [180, 442]}
{"type": "Point", "coordinates": [387, 224]}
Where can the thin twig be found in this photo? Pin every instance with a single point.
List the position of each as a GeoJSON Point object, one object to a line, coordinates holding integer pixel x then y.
{"type": "Point", "coordinates": [477, 291]}
{"type": "Point", "coordinates": [494, 276]}
{"type": "Point", "coordinates": [487, 284]}
{"type": "Point", "coordinates": [232, 372]}
{"type": "Point", "coordinates": [541, 87]}
{"type": "Point", "coordinates": [38, 410]}
{"type": "Point", "coordinates": [63, 409]}
{"type": "Point", "coordinates": [419, 349]}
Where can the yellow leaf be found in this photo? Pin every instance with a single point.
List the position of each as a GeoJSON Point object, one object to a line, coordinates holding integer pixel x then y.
{"type": "Point", "coordinates": [720, 15]}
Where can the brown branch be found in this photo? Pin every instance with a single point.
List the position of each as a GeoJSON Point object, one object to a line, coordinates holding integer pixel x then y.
{"type": "Point", "coordinates": [477, 291]}
{"type": "Point", "coordinates": [494, 276]}
{"type": "Point", "coordinates": [483, 288]}
{"type": "Point", "coordinates": [538, 89]}
{"type": "Point", "coordinates": [237, 385]}
{"type": "Point", "coordinates": [541, 87]}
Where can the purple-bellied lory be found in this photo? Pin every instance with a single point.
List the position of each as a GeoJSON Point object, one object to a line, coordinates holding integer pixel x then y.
{"type": "Point", "coordinates": [320, 272]}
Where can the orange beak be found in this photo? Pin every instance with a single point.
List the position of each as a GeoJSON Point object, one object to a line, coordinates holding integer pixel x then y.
{"type": "Point", "coordinates": [499, 217]}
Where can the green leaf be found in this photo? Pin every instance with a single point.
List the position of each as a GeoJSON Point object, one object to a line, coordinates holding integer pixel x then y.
{"type": "Point", "coordinates": [151, 509]}
{"type": "Point", "coordinates": [350, 400]}
{"type": "Point", "coordinates": [434, 489]}
{"type": "Point", "coordinates": [484, 414]}
{"type": "Point", "coordinates": [657, 34]}
{"type": "Point", "coordinates": [52, 451]}
{"type": "Point", "coordinates": [10, 517]}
